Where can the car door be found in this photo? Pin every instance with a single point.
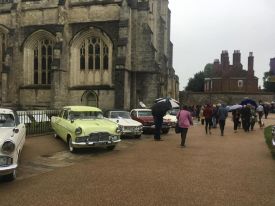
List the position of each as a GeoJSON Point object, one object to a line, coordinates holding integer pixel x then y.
{"type": "Point", "coordinates": [59, 124]}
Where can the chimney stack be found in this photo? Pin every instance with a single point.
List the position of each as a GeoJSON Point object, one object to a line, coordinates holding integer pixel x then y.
{"type": "Point", "coordinates": [251, 64]}
{"type": "Point", "coordinates": [236, 58]}
{"type": "Point", "coordinates": [224, 59]}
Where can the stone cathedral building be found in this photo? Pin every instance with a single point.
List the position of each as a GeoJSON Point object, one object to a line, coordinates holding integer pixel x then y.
{"type": "Point", "coordinates": [105, 53]}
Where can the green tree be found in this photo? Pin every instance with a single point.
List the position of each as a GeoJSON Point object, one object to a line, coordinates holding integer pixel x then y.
{"type": "Point", "coordinates": [196, 84]}
{"type": "Point", "coordinates": [208, 70]}
{"type": "Point", "coordinates": [269, 86]}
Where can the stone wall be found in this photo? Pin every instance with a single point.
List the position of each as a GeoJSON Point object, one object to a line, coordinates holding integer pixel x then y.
{"type": "Point", "coordinates": [194, 98]}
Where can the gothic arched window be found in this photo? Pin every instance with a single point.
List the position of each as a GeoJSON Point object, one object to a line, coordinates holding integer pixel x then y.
{"type": "Point", "coordinates": [38, 57]}
{"type": "Point", "coordinates": [91, 58]}
{"type": "Point", "coordinates": [94, 54]}
{"type": "Point", "coordinates": [42, 59]}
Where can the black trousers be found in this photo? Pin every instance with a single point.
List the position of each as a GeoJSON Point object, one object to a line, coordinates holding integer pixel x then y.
{"type": "Point", "coordinates": [183, 135]}
{"type": "Point", "coordinates": [222, 123]}
{"type": "Point", "coordinates": [236, 123]}
{"type": "Point", "coordinates": [158, 125]}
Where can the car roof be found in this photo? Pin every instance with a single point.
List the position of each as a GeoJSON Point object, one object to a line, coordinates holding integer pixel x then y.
{"type": "Point", "coordinates": [83, 108]}
{"type": "Point", "coordinates": [7, 111]}
{"type": "Point", "coordinates": [141, 110]}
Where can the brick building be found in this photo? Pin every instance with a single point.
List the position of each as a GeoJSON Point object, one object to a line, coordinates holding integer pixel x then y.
{"type": "Point", "coordinates": [228, 77]}
{"type": "Point", "coordinates": [107, 53]}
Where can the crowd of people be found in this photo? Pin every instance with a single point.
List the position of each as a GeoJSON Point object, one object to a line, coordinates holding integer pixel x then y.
{"type": "Point", "coordinates": [214, 115]}
{"type": "Point", "coordinates": [244, 116]}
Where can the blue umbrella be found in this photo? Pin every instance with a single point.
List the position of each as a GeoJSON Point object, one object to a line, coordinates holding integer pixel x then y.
{"type": "Point", "coordinates": [249, 101]}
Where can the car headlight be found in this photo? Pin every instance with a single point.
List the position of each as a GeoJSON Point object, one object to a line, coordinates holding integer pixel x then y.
{"type": "Point", "coordinates": [78, 131]}
{"type": "Point", "coordinates": [119, 129]}
{"type": "Point", "coordinates": [114, 138]}
{"type": "Point", "coordinates": [8, 147]}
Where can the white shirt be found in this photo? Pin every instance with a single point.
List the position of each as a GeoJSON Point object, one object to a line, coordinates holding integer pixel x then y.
{"type": "Point", "coordinates": [260, 108]}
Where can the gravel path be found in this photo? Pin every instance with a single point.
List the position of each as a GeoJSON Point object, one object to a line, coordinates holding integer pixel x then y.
{"type": "Point", "coordinates": [235, 169]}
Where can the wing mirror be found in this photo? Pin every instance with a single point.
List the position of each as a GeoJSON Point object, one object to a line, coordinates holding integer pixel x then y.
{"type": "Point", "coordinates": [15, 130]}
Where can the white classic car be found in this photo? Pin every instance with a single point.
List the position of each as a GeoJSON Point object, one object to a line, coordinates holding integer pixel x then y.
{"type": "Point", "coordinates": [12, 139]}
{"type": "Point", "coordinates": [171, 115]}
{"type": "Point", "coordinates": [128, 126]}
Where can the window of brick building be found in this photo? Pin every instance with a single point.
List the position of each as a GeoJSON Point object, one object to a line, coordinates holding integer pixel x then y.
{"type": "Point", "coordinates": [240, 83]}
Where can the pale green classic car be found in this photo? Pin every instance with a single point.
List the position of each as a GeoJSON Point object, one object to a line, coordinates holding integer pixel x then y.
{"type": "Point", "coordinates": [84, 127]}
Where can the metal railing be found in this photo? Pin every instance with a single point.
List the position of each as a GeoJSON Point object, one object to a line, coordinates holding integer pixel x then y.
{"type": "Point", "coordinates": [37, 121]}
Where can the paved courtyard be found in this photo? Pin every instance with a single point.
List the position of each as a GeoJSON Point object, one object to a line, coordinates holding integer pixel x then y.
{"type": "Point", "coordinates": [236, 169]}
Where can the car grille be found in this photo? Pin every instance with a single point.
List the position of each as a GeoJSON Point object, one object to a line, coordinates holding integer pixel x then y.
{"type": "Point", "coordinates": [131, 128]}
{"type": "Point", "coordinates": [100, 136]}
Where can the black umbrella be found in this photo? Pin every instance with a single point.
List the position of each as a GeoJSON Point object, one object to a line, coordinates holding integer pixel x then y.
{"type": "Point", "coordinates": [160, 108]}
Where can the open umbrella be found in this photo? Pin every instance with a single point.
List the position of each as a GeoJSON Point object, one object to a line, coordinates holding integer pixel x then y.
{"type": "Point", "coordinates": [234, 107]}
{"type": "Point", "coordinates": [249, 101]}
{"type": "Point", "coordinates": [162, 105]}
{"type": "Point", "coordinates": [174, 103]}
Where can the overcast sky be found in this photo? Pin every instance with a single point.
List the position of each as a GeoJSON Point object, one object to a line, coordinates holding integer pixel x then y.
{"type": "Point", "coordinates": [201, 29]}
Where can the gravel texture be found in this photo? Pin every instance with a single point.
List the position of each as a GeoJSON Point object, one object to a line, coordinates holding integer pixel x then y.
{"type": "Point", "coordinates": [235, 169]}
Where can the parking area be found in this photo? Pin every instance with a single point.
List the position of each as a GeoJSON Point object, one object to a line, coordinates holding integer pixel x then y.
{"type": "Point", "coordinates": [46, 153]}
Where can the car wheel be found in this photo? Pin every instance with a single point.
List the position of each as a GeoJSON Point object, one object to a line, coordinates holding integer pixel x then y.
{"type": "Point", "coordinates": [165, 131]}
{"type": "Point", "coordinates": [10, 177]}
{"type": "Point", "coordinates": [111, 147]}
{"type": "Point", "coordinates": [70, 145]}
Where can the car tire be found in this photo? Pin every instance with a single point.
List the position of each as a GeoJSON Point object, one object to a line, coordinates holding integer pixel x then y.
{"type": "Point", "coordinates": [10, 177]}
{"type": "Point", "coordinates": [55, 136]}
{"type": "Point", "coordinates": [165, 131]}
{"type": "Point", "coordinates": [72, 149]}
{"type": "Point", "coordinates": [111, 147]}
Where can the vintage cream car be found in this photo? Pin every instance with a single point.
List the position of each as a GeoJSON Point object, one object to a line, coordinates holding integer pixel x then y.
{"type": "Point", "coordinates": [84, 126]}
{"type": "Point", "coordinates": [12, 139]}
{"type": "Point", "coordinates": [129, 127]}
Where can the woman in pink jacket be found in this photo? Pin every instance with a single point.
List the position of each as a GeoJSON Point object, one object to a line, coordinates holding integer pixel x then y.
{"type": "Point", "coordinates": [184, 120]}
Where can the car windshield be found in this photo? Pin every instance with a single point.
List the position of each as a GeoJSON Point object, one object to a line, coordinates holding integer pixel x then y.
{"type": "Point", "coordinates": [145, 113]}
{"type": "Point", "coordinates": [7, 120]}
{"type": "Point", "coordinates": [120, 114]}
{"type": "Point", "coordinates": [86, 115]}
{"type": "Point", "coordinates": [173, 111]}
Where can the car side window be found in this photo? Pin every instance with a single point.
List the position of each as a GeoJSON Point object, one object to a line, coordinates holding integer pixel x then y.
{"type": "Point", "coordinates": [134, 114]}
{"type": "Point", "coordinates": [65, 115]}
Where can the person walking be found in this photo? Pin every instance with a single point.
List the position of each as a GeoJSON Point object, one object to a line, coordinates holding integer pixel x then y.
{"type": "Point", "coordinates": [184, 121]}
{"type": "Point", "coordinates": [246, 117]}
{"type": "Point", "coordinates": [236, 118]}
{"type": "Point", "coordinates": [207, 113]}
{"type": "Point", "coordinates": [253, 118]}
{"type": "Point", "coordinates": [260, 111]}
{"type": "Point", "coordinates": [214, 116]}
{"type": "Point", "coordinates": [222, 114]}
{"type": "Point", "coordinates": [159, 110]}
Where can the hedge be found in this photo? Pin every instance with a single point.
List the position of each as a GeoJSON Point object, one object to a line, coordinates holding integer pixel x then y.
{"type": "Point", "coordinates": [268, 140]}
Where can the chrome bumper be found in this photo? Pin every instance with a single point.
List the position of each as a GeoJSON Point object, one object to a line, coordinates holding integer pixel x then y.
{"type": "Point", "coordinates": [93, 144]}
{"type": "Point", "coordinates": [153, 127]}
{"type": "Point", "coordinates": [7, 170]}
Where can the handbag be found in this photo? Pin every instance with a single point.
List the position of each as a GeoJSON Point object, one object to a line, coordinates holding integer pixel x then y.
{"type": "Point", "coordinates": [177, 128]}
